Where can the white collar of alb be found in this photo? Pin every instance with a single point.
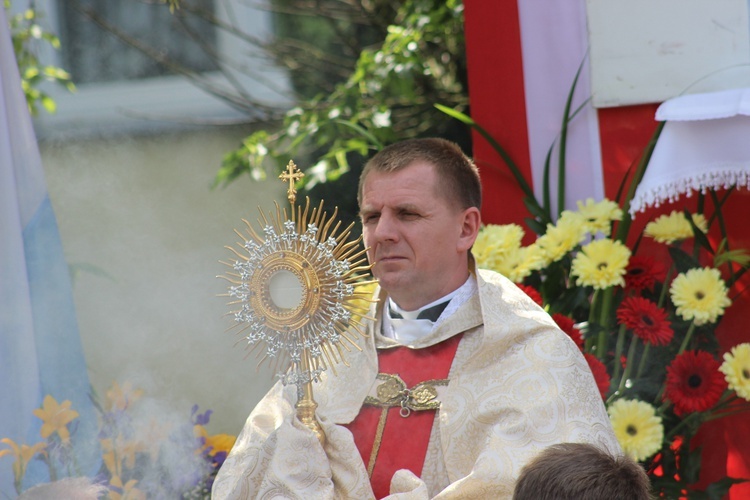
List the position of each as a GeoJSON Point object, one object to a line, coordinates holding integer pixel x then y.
{"type": "Point", "coordinates": [409, 329]}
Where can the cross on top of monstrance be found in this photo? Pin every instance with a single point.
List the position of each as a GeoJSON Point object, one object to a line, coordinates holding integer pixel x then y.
{"type": "Point", "coordinates": [294, 286]}
{"type": "Point", "coordinates": [292, 175]}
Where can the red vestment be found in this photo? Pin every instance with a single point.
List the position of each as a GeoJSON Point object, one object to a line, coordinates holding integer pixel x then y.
{"type": "Point", "coordinates": [403, 442]}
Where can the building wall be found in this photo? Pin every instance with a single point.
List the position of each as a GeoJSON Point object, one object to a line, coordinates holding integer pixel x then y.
{"type": "Point", "coordinates": [144, 233]}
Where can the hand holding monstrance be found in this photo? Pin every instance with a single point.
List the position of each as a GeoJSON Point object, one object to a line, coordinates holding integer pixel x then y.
{"type": "Point", "coordinates": [294, 289]}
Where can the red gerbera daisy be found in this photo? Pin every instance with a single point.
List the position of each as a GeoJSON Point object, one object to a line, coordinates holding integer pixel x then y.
{"type": "Point", "coordinates": [568, 326]}
{"type": "Point", "coordinates": [647, 320]}
{"type": "Point", "coordinates": [531, 292]}
{"type": "Point", "coordinates": [694, 382]}
{"type": "Point", "coordinates": [643, 272]}
{"type": "Point", "coordinates": [600, 373]}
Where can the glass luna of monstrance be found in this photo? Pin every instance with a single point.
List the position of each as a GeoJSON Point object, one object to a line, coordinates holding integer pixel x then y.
{"type": "Point", "coordinates": [295, 288]}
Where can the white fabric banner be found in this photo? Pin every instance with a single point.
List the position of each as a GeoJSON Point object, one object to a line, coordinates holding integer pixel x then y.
{"type": "Point", "coordinates": [554, 42]}
{"type": "Point", "coordinates": [703, 146]}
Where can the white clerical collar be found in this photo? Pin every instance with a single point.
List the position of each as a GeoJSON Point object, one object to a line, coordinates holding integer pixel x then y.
{"type": "Point", "coordinates": [410, 329]}
{"type": "Point", "coordinates": [412, 315]}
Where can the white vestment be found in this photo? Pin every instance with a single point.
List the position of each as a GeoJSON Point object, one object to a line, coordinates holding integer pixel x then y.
{"type": "Point", "coordinates": [517, 385]}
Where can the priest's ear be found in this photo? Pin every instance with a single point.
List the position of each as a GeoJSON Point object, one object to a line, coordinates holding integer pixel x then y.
{"type": "Point", "coordinates": [470, 224]}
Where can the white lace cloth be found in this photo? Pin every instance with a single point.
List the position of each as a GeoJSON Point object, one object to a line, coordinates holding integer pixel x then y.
{"type": "Point", "coordinates": [705, 144]}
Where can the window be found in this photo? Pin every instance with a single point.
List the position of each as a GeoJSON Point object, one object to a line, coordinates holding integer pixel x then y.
{"type": "Point", "coordinates": [121, 89]}
{"type": "Point", "coordinates": [93, 55]}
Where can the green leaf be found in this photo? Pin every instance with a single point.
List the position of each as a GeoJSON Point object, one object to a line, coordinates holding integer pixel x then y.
{"type": "Point", "coordinates": [49, 104]}
{"type": "Point", "coordinates": [78, 268]}
{"type": "Point", "coordinates": [533, 207]}
{"type": "Point", "coordinates": [690, 465]}
{"type": "Point", "coordinates": [682, 260]}
{"type": "Point", "coordinates": [572, 299]}
{"type": "Point", "coordinates": [700, 236]}
{"type": "Point", "coordinates": [31, 72]}
{"type": "Point", "coordinates": [740, 256]}
{"type": "Point", "coordinates": [538, 227]}
{"type": "Point", "coordinates": [562, 148]}
{"type": "Point", "coordinates": [623, 228]}
{"type": "Point", "coordinates": [719, 489]}
{"type": "Point", "coordinates": [361, 131]}
{"type": "Point", "coordinates": [546, 196]}
{"type": "Point", "coordinates": [342, 162]}
{"type": "Point", "coordinates": [495, 145]}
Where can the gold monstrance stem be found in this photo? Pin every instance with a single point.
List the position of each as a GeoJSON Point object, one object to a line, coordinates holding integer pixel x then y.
{"type": "Point", "coordinates": [306, 404]}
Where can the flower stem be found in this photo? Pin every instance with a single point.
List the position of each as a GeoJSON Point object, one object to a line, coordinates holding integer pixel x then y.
{"type": "Point", "coordinates": [728, 413]}
{"type": "Point", "coordinates": [665, 287]}
{"type": "Point", "coordinates": [618, 352]}
{"type": "Point", "coordinates": [628, 364]}
{"type": "Point", "coordinates": [683, 423]}
{"type": "Point", "coordinates": [591, 321]}
{"type": "Point", "coordinates": [687, 338]}
{"type": "Point", "coordinates": [642, 363]}
{"type": "Point", "coordinates": [601, 343]}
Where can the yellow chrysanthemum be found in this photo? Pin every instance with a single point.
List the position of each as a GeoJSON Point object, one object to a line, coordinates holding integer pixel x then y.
{"type": "Point", "coordinates": [220, 442]}
{"type": "Point", "coordinates": [55, 417]}
{"type": "Point", "coordinates": [599, 216]}
{"type": "Point", "coordinates": [217, 442]}
{"type": "Point", "coordinates": [520, 263]}
{"type": "Point", "coordinates": [601, 264]}
{"type": "Point", "coordinates": [637, 427]}
{"type": "Point", "coordinates": [562, 237]}
{"type": "Point", "coordinates": [23, 455]}
{"type": "Point", "coordinates": [736, 369]}
{"type": "Point", "coordinates": [700, 295]}
{"type": "Point", "coordinates": [673, 227]}
{"type": "Point", "coordinates": [494, 241]}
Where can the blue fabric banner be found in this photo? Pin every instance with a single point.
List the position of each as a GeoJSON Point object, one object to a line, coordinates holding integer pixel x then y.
{"type": "Point", "coordinates": [40, 348]}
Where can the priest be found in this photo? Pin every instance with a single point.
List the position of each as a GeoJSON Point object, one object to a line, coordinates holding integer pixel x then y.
{"type": "Point", "coordinates": [462, 379]}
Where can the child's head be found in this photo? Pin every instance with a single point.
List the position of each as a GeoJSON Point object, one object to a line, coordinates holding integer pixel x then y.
{"type": "Point", "coordinates": [578, 471]}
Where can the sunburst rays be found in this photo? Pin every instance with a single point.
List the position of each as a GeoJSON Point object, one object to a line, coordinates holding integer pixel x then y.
{"type": "Point", "coordinates": [312, 334]}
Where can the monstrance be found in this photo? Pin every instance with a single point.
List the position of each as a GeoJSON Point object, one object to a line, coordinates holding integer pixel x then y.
{"type": "Point", "coordinates": [295, 288]}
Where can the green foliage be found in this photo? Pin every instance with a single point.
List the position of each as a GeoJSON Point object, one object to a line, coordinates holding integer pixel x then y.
{"type": "Point", "coordinates": [27, 35]}
{"type": "Point", "coordinates": [388, 95]}
{"type": "Point", "coordinates": [331, 38]}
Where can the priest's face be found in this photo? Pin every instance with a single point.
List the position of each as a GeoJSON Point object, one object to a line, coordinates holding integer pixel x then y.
{"type": "Point", "coordinates": [418, 239]}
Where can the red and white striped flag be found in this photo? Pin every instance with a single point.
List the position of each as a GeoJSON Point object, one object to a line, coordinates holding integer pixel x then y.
{"type": "Point", "coordinates": [523, 57]}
